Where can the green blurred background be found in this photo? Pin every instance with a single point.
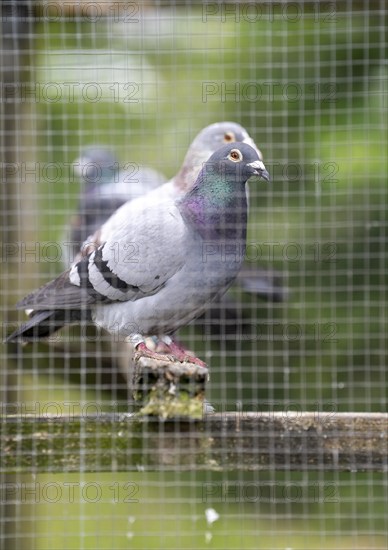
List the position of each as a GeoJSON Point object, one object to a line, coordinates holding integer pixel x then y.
{"type": "Point", "coordinates": [309, 82]}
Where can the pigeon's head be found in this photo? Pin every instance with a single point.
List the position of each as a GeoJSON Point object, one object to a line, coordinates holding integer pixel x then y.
{"type": "Point", "coordinates": [236, 161]}
{"type": "Point", "coordinates": [211, 138]}
{"type": "Point", "coordinates": [207, 142]}
{"type": "Point", "coordinates": [96, 165]}
{"type": "Point", "coordinates": [217, 204]}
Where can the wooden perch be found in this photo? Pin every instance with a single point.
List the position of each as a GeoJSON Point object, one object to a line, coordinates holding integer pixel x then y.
{"type": "Point", "coordinates": [231, 441]}
{"type": "Point", "coordinates": [168, 389]}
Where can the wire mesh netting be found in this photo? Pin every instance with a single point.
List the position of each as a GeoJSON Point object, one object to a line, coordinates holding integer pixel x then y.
{"type": "Point", "coordinates": [100, 102]}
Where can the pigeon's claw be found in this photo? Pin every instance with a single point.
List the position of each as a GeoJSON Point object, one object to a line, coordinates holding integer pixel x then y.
{"type": "Point", "coordinates": [180, 352]}
{"type": "Point", "coordinates": [143, 351]}
{"type": "Point", "coordinates": [196, 360]}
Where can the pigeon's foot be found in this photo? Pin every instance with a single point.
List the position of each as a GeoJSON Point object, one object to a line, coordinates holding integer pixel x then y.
{"type": "Point", "coordinates": [143, 351]}
{"type": "Point", "coordinates": [180, 352]}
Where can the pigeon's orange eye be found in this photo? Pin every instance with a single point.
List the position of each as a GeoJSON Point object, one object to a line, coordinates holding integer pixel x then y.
{"type": "Point", "coordinates": [229, 137]}
{"type": "Point", "coordinates": [235, 155]}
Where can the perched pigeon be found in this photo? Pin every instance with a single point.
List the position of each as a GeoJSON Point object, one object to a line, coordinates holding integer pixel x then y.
{"type": "Point", "coordinates": [105, 189]}
{"type": "Point", "coordinates": [162, 265]}
{"type": "Point", "coordinates": [204, 145]}
{"type": "Point", "coordinates": [265, 283]}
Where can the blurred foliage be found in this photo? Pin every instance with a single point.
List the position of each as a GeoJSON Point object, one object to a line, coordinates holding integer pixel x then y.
{"type": "Point", "coordinates": [255, 510]}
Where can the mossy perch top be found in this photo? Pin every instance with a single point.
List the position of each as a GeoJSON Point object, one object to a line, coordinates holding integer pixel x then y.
{"type": "Point", "coordinates": [169, 389]}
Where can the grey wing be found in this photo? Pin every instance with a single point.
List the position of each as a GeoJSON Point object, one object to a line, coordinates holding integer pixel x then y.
{"type": "Point", "coordinates": [59, 293]}
{"type": "Point", "coordinates": [137, 261]}
{"type": "Point", "coordinates": [140, 257]}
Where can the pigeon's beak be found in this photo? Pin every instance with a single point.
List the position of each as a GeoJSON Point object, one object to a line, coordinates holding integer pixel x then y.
{"type": "Point", "coordinates": [250, 142]}
{"type": "Point", "coordinates": [259, 169]}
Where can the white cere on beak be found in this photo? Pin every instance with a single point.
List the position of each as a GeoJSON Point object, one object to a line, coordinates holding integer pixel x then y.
{"type": "Point", "coordinates": [260, 169]}
{"type": "Point", "coordinates": [257, 165]}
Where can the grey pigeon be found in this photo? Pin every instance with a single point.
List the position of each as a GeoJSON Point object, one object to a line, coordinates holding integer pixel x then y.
{"type": "Point", "coordinates": [105, 188]}
{"type": "Point", "coordinates": [264, 283]}
{"type": "Point", "coordinates": [209, 140]}
{"type": "Point", "coordinates": [161, 266]}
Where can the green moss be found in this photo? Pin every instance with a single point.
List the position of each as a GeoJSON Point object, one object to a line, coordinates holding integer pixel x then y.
{"type": "Point", "coordinates": [166, 405]}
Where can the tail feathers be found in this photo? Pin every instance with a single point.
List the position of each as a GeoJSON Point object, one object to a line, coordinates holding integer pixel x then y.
{"type": "Point", "coordinates": [42, 324]}
{"type": "Point", "coordinates": [266, 284]}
